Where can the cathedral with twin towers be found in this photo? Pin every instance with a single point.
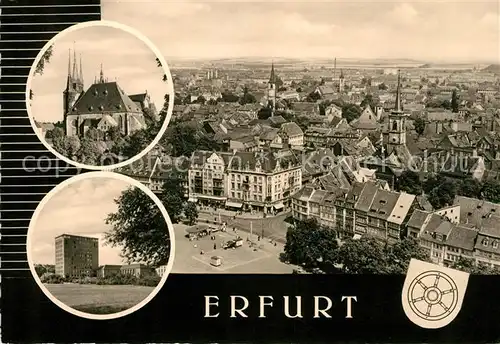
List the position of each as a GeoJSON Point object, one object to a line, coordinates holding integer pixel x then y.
{"type": "Point", "coordinates": [103, 105]}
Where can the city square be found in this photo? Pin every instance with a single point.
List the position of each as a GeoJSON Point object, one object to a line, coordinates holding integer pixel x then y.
{"type": "Point", "coordinates": [253, 256]}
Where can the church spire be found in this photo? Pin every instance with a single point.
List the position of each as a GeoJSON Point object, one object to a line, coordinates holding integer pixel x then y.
{"type": "Point", "coordinates": [272, 78]}
{"type": "Point", "coordinates": [341, 74]}
{"type": "Point", "coordinates": [397, 105]}
{"type": "Point", "coordinates": [69, 63]}
{"type": "Point", "coordinates": [81, 70]}
{"type": "Point", "coordinates": [75, 71]}
{"type": "Point", "coordinates": [101, 78]}
{"type": "Point", "coordinates": [68, 82]}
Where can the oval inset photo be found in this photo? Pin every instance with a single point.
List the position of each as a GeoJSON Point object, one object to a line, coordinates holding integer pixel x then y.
{"type": "Point", "coordinates": [99, 95]}
{"type": "Point", "coordinates": [100, 245]}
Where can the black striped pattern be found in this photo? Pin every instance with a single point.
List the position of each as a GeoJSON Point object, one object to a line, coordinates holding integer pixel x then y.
{"type": "Point", "coordinates": [25, 27]}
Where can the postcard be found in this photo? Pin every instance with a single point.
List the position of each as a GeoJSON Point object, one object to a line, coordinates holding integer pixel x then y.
{"type": "Point", "coordinates": [249, 171]}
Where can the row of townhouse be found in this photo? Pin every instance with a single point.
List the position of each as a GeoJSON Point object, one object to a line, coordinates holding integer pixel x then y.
{"type": "Point", "coordinates": [468, 229]}
{"type": "Point", "coordinates": [325, 137]}
{"type": "Point", "coordinates": [364, 209]}
{"type": "Point", "coordinates": [261, 181]}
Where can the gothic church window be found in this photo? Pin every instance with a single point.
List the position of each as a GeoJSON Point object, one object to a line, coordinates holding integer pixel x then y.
{"type": "Point", "coordinates": [394, 125]}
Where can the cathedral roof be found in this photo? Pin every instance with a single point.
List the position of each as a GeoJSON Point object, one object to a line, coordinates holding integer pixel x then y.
{"type": "Point", "coordinates": [104, 97]}
{"type": "Point", "coordinates": [141, 97]}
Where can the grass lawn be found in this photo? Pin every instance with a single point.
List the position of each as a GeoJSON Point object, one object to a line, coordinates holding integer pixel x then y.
{"type": "Point", "coordinates": [99, 299]}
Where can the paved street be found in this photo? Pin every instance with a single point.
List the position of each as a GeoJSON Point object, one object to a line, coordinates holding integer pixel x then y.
{"type": "Point", "coordinates": [253, 257]}
{"type": "Point", "coordinates": [272, 227]}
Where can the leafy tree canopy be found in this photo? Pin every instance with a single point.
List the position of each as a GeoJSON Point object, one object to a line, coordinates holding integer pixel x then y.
{"type": "Point", "coordinates": [139, 229]}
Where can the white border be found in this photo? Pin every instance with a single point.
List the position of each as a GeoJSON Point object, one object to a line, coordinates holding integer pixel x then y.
{"type": "Point", "coordinates": [166, 70]}
{"type": "Point", "coordinates": [109, 175]}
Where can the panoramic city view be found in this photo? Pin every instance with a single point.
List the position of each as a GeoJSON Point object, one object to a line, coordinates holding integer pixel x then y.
{"type": "Point", "coordinates": [101, 109]}
{"type": "Point", "coordinates": [337, 138]}
{"type": "Point", "coordinates": [90, 260]}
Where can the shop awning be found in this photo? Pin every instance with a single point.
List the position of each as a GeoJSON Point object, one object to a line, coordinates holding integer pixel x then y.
{"type": "Point", "coordinates": [278, 206]}
{"type": "Point", "coordinates": [234, 204]}
{"type": "Point", "coordinates": [356, 237]}
{"type": "Point", "coordinates": [192, 199]}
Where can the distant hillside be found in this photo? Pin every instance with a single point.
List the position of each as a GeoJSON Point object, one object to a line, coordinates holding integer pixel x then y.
{"type": "Point", "coordinates": [493, 68]}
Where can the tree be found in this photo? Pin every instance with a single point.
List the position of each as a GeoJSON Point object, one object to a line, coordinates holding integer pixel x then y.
{"type": "Point", "coordinates": [351, 111]}
{"type": "Point", "coordinates": [158, 63]}
{"type": "Point", "coordinates": [363, 256]}
{"type": "Point", "coordinates": [470, 188]}
{"type": "Point", "coordinates": [419, 125]}
{"type": "Point", "coordinates": [308, 244]}
{"type": "Point", "coordinates": [454, 101]}
{"type": "Point", "coordinates": [303, 122]}
{"type": "Point", "coordinates": [56, 133]}
{"type": "Point", "coordinates": [191, 213]}
{"type": "Point", "coordinates": [182, 138]}
{"type": "Point", "coordinates": [264, 113]}
{"type": "Point", "coordinates": [89, 152]}
{"type": "Point", "coordinates": [93, 134]}
{"type": "Point", "coordinates": [114, 134]}
{"type": "Point", "coordinates": [446, 104]}
{"type": "Point", "coordinates": [44, 269]}
{"type": "Point", "coordinates": [247, 97]}
{"type": "Point", "coordinates": [409, 181]}
{"type": "Point", "coordinates": [491, 191]}
{"type": "Point", "coordinates": [382, 86]}
{"type": "Point", "coordinates": [139, 229]}
{"type": "Point", "coordinates": [229, 97]}
{"type": "Point", "coordinates": [470, 266]}
{"type": "Point", "coordinates": [185, 139]}
{"type": "Point", "coordinates": [178, 99]}
{"type": "Point", "coordinates": [44, 60]}
{"type": "Point", "coordinates": [443, 195]}
{"type": "Point", "coordinates": [313, 97]}
{"type": "Point", "coordinates": [172, 195]}
{"type": "Point", "coordinates": [368, 100]}
{"type": "Point", "coordinates": [399, 255]}
{"type": "Point", "coordinates": [208, 142]}
{"type": "Point", "coordinates": [432, 182]}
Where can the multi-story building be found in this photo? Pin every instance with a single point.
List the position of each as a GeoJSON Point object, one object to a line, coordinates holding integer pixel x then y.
{"type": "Point", "coordinates": [137, 270]}
{"type": "Point", "coordinates": [364, 209]}
{"type": "Point", "coordinates": [468, 229]}
{"type": "Point", "coordinates": [292, 134]}
{"type": "Point", "coordinates": [207, 177]}
{"type": "Point", "coordinates": [76, 256]}
{"type": "Point", "coordinates": [327, 137]}
{"type": "Point", "coordinates": [108, 270]}
{"type": "Point", "coordinates": [261, 181]}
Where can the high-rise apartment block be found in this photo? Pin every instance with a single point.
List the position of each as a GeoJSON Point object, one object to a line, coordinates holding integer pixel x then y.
{"type": "Point", "coordinates": [76, 256]}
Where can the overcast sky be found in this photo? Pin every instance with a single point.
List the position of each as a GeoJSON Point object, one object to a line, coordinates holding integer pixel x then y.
{"type": "Point", "coordinates": [79, 209]}
{"type": "Point", "coordinates": [125, 59]}
{"type": "Point", "coordinates": [449, 31]}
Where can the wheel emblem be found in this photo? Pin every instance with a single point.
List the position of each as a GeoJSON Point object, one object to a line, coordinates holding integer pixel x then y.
{"type": "Point", "coordinates": [432, 295]}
